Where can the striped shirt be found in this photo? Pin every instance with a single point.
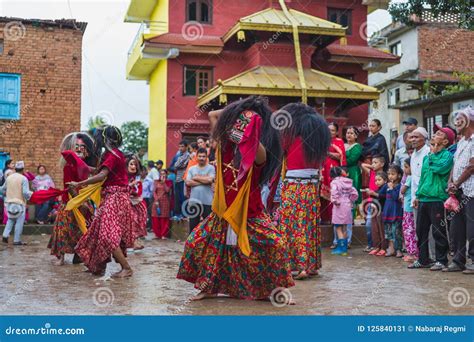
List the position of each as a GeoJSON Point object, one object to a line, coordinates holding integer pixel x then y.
{"type": "Point", "coordinates": [464, 152]}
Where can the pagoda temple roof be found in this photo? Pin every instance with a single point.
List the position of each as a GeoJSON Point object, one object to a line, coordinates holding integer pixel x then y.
{"type": "Point", "coordinates": [284, 81]}
{"type": "Point", "coordinates": [274, 20]}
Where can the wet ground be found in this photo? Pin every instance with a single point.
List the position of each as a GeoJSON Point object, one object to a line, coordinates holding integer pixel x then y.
{"type": "Point", "coordinates": [352, 285]}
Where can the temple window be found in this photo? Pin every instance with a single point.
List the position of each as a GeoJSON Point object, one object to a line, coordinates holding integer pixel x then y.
{"type": "Point", "coordinates": [342, 17]}
{"type": "Point", "coordinates": [197, 80]}
{"type": "Point", "coordinates": [199, 10]}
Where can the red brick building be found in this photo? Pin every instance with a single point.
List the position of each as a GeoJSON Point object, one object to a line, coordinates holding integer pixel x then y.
{"type": "Point", "coordinates": [40, 89]}
{"type": "Point", "coordinates": [198, 55]}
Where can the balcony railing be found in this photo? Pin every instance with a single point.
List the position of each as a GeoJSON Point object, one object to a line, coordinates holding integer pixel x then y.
{"type": "Point", "coordinates": [147, 27]}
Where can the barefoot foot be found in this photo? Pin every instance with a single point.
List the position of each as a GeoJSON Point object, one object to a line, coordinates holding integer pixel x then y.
{"type": "Point", "coordinates": [302, 275]}
{"type": "Point", "coordinates": [124, 273]}
{"type": "Point", "coordinates": [203, 295]}
{"type": "Point", "coordinates": [59, 262]}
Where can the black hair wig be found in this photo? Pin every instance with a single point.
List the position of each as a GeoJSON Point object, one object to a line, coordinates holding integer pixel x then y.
{"type": "Point", "coordinates": [311, 127]}
{"type": "Point", "coordinates": [107, 137]}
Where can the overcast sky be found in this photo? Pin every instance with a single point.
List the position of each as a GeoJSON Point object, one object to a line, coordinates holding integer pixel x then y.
{"type": "Point", "coordinates": [105, 90]}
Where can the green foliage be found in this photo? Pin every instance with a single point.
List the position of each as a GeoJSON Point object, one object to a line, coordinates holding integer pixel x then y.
{"type": "Point", "coordinates": [403, 12]}
{"type": "Point", "coordinates": [466, 82]}
{"type": "Point", "coordinates": [135, 136]}
{"type": "Point", "coordinates": [95, 122]}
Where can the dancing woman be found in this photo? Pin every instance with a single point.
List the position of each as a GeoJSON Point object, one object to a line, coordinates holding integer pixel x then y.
{"type": "Point", "coordinates": [139, 209]}
{"type": "Point", "coordinates": [305, 145]}
{"type": "Point", "coordinates": [237, 250]}
{"type": "Point", "coordinates": [77, 161]}
{"type": "Point", "coordinates": [110, 232]}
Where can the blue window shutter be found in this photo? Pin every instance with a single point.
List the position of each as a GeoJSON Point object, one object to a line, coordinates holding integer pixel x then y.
{"type": "Point", "coordinates": [10, 90]}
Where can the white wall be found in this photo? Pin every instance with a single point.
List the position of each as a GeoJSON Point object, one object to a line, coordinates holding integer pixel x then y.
{"type": "Point", "coordinates": [408, 60]}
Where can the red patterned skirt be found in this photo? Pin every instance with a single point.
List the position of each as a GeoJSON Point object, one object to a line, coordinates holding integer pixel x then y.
{"type": "Point", "coordinates": [111, 228]}
{"type": "Point", "coordinates": [66, 232]}
{"type": "Point", "coordinates": [299, 221]}
{"type": "Point", "coordinates": [139, 217]}
{"type": "Point", "coordinates": [208, 260]}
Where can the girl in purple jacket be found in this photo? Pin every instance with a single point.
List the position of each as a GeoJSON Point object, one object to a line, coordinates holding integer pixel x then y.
{"type": "Point", "coordinates": [343, 196]}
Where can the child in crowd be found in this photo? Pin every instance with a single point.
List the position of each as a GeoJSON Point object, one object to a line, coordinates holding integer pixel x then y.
{"type": "Point", "coordinates": [408, 223]}
{"type": "Point", "coordinates": [378, 164]}
{"type": "Point", "coordinates": [377, 205]}
{"type": "Point", "coordinates": [343, 196]}
{"type": "Point", "coordinates": [393, 212]}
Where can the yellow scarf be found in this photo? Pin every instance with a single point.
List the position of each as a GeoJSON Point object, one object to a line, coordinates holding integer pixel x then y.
{"type": "Point", "coordinates": [236, 214]}
{"type": "Point", "coordinates": [89, 192]}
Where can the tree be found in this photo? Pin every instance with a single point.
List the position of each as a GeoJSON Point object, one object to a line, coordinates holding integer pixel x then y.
{"type": "Point", "coordinates": [95, 122]}
{"type": "Point", "coordinates": [135, 136]}
{"type": "Point", "coordinates": [404, 12]}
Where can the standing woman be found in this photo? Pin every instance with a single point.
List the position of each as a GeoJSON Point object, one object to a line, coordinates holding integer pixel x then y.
{"type": "Point", "coordinates": [336, 157]}
{"type": "Point", "coordinates": [305, 145]}
{"type": "Point", "coordinates": [111, 230]}
{"type": "Point", "coordinates": [237, 250]}
{"type": "Point", "coordinates": [161, 208]}
{"type": "Point", "coordinates": [139, 212]}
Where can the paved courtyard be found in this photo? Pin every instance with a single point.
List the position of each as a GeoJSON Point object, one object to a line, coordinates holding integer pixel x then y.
{"type": "Point", "coordinates": [356, 284]}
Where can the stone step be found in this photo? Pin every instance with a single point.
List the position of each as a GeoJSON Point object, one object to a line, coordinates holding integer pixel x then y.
{"type": "Point", "coordinates": [179, 231]}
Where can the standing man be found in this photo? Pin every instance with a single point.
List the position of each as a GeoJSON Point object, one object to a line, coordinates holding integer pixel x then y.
{"type": "Point", "coordinates": [461, 184]}
{"type": "Point", "coordinates": [430, 197]}
{"type": "Point", "coordinates": [153, 173]}
{"type": "Point", "coordinates": [410, 125]}
{"type": "Point", "coordinates": [18, 193]}
{"type": "Point", "coordinates": [200, 178]}
{"type": "Point", "coordinates": [180, 166]}
{"type": "Point", "coordinates": [420, 150]}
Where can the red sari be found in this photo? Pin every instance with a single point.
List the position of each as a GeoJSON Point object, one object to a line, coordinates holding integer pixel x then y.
{"type": "Point", "coordinates": [337, 146]}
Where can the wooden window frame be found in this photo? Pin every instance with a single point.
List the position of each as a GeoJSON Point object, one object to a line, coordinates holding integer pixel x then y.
{"type": "Point", "coordinates": [340, 11]}
{"type": "Point", "coordinates": [198, 11]}
{"type": "Point", "coordinates": [208, 70]}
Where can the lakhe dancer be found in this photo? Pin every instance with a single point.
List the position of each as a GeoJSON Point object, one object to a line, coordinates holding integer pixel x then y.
{"type": "Point", "coordinates": [237, 250]}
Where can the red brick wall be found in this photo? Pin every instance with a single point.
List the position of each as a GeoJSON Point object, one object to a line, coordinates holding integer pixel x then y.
{"type": "Point", "coordinates": [443, 50]}
{"type": "Point", "coordinates": [49, 61]}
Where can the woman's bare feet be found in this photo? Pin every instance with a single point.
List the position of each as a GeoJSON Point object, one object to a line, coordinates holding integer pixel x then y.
{"type": "Point", "coordinates": [124, 273]}
{"type": "Point", "coordinates": [59, 262]}
{"type": "Point", "coordinates": [137, 245]}
{"type": "Point", "coordinates": [203, 295]}
{"type": "Point", "coordinates": [302, 275]}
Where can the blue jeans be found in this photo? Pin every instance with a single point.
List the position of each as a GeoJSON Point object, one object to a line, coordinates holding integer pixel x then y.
{"type": "Point", "coordinates": [368, 226]}
{"type": "Point", "coordinates": [42, 211]}
{"type": "Point", "coordinates": [16, 220]}
{"type": "Point", "coordinates": [179, 192]}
